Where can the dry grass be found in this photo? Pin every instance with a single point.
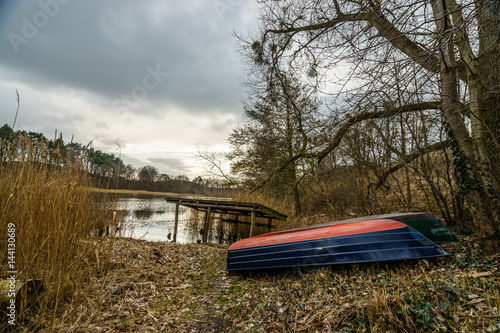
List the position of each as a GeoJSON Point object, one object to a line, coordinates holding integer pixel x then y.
{"type": "Point", "coordinates": [165, 287]}
{"type": "Point", "coordinates": [56, 221]}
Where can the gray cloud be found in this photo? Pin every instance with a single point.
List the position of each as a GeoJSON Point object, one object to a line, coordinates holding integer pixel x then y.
{"type": "Point", "coordinates": [105, 48]}
{"type": "Point", "coordinates": [174, 163]}
{"type": "Point", "coordinates": [75, 62]}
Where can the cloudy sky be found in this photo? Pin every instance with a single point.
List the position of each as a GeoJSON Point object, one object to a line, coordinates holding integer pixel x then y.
{"type": "Point", "coordinates": [157, 77]}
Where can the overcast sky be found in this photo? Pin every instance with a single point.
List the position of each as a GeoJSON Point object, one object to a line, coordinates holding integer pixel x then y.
{"type": "Point", "coordinates": [157, 77]}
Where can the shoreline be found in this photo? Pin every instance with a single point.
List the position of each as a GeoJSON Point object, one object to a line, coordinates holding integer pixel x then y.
{"type": "Point", "coordinates": [120, 191]}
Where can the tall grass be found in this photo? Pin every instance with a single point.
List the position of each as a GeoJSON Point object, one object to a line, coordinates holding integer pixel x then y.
{"type": "Point", "coordinates": [58, 223]}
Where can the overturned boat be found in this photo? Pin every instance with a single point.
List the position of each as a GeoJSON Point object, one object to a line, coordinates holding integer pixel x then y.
{"type": "Point", "coordinates": [350, 242]}
{"type": "Point", "coordinates": [422, 222]}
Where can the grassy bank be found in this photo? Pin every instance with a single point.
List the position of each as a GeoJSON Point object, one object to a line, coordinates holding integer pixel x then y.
{"type": "Point", "coordinates": [119, 191]}
{"type": "Point", "coordinates": [54, 226]}
{"type": "Point", "coordinates": [165, 287]}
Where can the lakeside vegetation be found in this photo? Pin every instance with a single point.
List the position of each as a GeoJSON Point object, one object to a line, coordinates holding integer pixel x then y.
{"type": "Point", "coordinates": [93, 283]}
{"type": "Point", "coordinates": [414, 135]}
{"type": "Point", "coordinates": [372, 106]}
{"type": "Point", "coordinates": [57, 227]}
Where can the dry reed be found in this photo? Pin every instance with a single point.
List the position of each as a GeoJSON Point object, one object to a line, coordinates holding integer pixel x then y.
{"type": "Point", "coordinates": [57, 223]}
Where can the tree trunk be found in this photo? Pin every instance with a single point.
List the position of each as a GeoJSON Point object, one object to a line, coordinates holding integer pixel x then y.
{"type": "Point", "coordinates": [489, 63]}
{"type": "Point", "coordinates": [477, 162]}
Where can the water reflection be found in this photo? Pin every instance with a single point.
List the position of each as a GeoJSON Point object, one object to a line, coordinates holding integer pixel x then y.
{"type": "Point", "coordinates": [143, 214]}
{"type": "Point", "coordinates": [151, 218]}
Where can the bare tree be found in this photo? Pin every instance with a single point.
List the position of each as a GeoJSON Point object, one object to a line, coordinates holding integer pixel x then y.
{"type": "Point", "coordinates": [280, 123]}
{"type": "Point", "coordinates": [448, 58]}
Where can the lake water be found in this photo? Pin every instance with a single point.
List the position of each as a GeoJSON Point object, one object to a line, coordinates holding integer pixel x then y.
{"type": "Point", "coordinates": [152, 218]}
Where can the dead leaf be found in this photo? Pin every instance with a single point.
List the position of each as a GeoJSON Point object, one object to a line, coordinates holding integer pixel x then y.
{"type": "Point", "coordinates": [441, 318]}
{"type": "Point", "coordinates": [481, 305]}
{"type": "Point", "coordinates": [476, 275]}
{"type": "Point", "coordinates": [475, 301]}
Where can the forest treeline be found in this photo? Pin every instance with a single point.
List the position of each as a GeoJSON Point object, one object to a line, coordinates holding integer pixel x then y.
{"type": "Point", "coordinates": [106, 170]}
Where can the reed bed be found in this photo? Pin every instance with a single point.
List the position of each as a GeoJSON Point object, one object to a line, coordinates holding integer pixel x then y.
{"type": "Point", "coordinates": [57, 224]}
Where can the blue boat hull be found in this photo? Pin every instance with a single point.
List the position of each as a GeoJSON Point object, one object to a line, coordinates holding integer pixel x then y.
{"type": "Point", "coordinates": [385, 245]}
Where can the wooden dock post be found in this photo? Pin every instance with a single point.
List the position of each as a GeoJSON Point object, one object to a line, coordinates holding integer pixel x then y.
{"type": "Point", "coordinates": [269, 224]}
{"type": "Point", "coordinates": [221, 230]}
{"type": "Point", "coordinates": [252, 225]}
{"type": "Point", "coordinates": [235, 228]}
{"type": "Point", "coordinates": [176, 224]}
{"type": "Point", "coordinates": [207, 225]}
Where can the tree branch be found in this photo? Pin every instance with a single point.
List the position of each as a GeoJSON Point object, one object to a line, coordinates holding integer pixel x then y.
{"type": "Point", "coordinates": [385, 29]}
{"type": "Point", "coordinates": [409, 158]}
{"type": "Point", "coordinates": [343, 130]}
{"type": "Point", "coordinates": [374, 115]}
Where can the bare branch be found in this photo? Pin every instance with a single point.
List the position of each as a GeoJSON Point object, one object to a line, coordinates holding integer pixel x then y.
{"type": "Point", "coordinates": [214, 166]}
{"type": "Point", "coordinates": [343, 130]}
{"type": "Point", "coordinates": [409, 158]}
{"type": "Point", "coordinates": [385, 28]}
{"type": "Point", "coordinates": [374, 115]}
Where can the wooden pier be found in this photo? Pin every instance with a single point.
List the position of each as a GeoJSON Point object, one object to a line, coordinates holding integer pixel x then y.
{"type": "Point", "coordinates": [222, 206]}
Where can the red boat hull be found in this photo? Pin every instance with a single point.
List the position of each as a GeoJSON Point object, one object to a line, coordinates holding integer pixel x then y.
{"type": "Point", "coordinates": [316, 232]}
{"type": "Point", "coordinates": [357, 242]}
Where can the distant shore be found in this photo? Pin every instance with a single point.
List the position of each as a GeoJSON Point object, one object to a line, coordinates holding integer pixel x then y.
{"type": "Point", "coordinates": [119, 191]}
